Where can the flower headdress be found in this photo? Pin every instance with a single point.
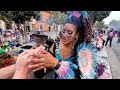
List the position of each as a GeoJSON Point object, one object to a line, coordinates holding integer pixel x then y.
{"type": "Point", "coordinates": [78, 18]}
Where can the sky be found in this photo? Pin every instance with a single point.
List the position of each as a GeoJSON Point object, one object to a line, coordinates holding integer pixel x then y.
{"type": "Point", "coordinates": [114, 15]}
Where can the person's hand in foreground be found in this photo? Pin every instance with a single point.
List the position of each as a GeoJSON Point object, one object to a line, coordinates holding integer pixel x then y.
{"type": "Point", "coordinates": [22, 63]}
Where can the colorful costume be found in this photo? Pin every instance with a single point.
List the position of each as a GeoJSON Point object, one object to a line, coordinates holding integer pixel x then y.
{"type": "Point", "coordinates": [67, 65]}
{"type": "Point", "coordinates": [82, 62]}
{"type": "Point", "coordinates": [85, 53]}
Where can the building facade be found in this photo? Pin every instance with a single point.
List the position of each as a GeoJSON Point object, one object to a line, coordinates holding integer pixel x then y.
{"type": "Point", "coordinates": [41, 23]}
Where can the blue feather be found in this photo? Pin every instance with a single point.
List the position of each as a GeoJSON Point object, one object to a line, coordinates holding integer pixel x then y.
{"type": "Point", "coordinates": [92, 72]}
{"type": "Point", "coordinates": [84, 13]}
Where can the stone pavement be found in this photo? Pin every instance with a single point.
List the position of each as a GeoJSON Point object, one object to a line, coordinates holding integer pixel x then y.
{"type": "Point", "coordinates": [116, 48]}
{"type": "Point", "coordinates": [113, 56]}
{"type": "Point", "coordinates": [107, 73]}
{"type": "Point", "coordinates": [103, 53]}
{"type": "Point", "coordinates": [114, 63]}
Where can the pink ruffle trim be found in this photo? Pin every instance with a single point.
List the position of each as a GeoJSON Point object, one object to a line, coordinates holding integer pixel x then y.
{"type": "Point", "coordinates": [63, 68]}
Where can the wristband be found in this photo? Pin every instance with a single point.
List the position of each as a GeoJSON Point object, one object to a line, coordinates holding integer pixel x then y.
{"type": "Point", "coordinates": [58, 65]}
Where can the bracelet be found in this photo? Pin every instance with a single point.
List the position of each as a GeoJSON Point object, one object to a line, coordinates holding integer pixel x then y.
{"type": "Point", "coordinates": [58, 65]}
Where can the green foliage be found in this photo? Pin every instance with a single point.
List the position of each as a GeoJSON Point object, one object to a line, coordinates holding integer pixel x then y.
{"type": "Point", "coordinates": [98, 15]}
{"type": "Point", "coordinates": [58, 17]}
{"type": "Point", "coordinates": [100, 25]}
{"type": "Point", "coordinates": [3, 18]}
{"type": "Point", "coordinates": [18, 16]}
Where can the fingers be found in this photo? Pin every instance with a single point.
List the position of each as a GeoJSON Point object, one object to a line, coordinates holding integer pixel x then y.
{"type": "Point", "coordinates": [37, 60]}
{"type": "Point", "coordinates": [38, 50]}
{"type": "Point", "coordinates": [30, 59]}
{"type": "Point", "coordinates": [25, 57]}
{"type": "Point", "coordinates": [38, 68]}
{"type": "Point", "coordinates": [42, 47]}
{"type": "Point", "coordinates": [35, 52]}
{"type": "Point", "coordinates": [34, 66]}
{"type": "Point", "coordinates": [23, 53]}
{"type": "Point", "coordinates": [42, 54]}
{"type": "Point", "coordinates": [32, 52]}
{"type": "Point", "coordinates": [34, 47]}
{"type": "Point", "coordinates": [41, 67]}
{"type": "Point", "coordinates": [44, 51]}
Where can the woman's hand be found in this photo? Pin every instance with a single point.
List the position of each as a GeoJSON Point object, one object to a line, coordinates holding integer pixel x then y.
{"type": "Point", "coordinates": [37, 50]}
{"type": "Point", "coordinates": [22, 63]}
{"type": "Point", "coordinates": [44, 60]}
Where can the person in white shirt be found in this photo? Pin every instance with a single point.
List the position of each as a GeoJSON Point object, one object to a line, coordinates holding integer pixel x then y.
{"type": "Point", "coordinates": [28, 38]}
{"type": "Point", "coordinates": [21, 38]}
{"type": "Point", "coordinates": [100, 41]}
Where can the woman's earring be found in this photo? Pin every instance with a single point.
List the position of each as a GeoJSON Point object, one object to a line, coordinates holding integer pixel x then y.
{"type": "Point", "coordinates": [75, 39]}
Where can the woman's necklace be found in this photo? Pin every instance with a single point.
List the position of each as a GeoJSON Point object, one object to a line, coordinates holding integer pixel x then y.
{"type": "Point", "coordinates": [57, 54]}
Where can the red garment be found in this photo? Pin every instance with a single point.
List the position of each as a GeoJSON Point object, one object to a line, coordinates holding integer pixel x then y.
{"type": "Point", "coordinates": [7, 60]}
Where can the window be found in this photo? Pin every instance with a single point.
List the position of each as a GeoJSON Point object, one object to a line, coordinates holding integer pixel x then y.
{"type": "Point", "coordinates": [41, 27]}
{"type": "Point", "coordinates": [40, 18]}
{"type": "Point", "coordinates": [50, 20]}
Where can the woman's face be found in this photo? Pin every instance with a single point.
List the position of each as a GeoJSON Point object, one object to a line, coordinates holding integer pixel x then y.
{"type": "Point", "coordinates": [68, 33]}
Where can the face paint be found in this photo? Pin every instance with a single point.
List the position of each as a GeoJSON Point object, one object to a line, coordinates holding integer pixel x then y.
{"type": "Point", "coordinates": [69, 33]}
{"type": "Point", "coordinates": [71, 36]}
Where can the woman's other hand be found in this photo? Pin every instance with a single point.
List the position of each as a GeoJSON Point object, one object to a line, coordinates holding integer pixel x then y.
{"type": "Point", "coordinates": [44, 60]}
{"type": "Point", "coordinates": [37, 50]}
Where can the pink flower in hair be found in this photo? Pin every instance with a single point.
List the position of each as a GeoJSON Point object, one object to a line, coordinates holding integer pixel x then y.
{"type": "Point", "coordinates": [76, 14]}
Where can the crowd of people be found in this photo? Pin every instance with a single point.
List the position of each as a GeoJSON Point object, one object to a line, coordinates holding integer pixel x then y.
{"type": "Point", "coordinates": [15, 37]}
{"type": "Point", "coordinates": [99, 37]}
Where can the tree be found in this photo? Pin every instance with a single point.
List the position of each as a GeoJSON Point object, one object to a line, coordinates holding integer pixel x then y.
{"type": "Point", "coordinates": [99, 25]}
{"type": "Point", "coordinates": [18, 16]}
{"type": "Point", "coordinates": [106, 26]}
{"type": "Point", "coordinates": [22, 16]}
{"type": "Point", "coordinates": [114, 24]}
{"type": "Point", "coordinates": [98, 15]}
{"type": "Point", "coordinates": [57, 17]}
{"type": "Point", "coordinates": [6, 15]}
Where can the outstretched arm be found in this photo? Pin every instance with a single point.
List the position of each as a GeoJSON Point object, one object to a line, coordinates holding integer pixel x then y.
{"type": "Point", "coordinates": [7, 72]}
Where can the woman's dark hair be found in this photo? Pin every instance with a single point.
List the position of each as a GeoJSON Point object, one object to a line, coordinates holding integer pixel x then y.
{"type": "Point", "coordinates": [85, 32]}
{"type": "Point", "coordinates": [83, 24]}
